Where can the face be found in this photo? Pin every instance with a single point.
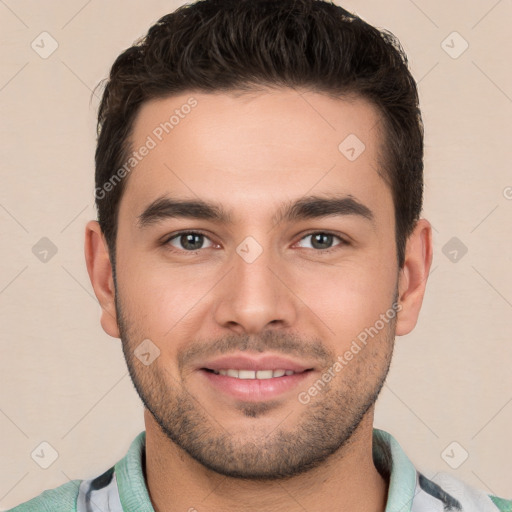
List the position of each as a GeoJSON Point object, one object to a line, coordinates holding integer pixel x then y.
{"type": "Point", "coordinates": [285, 259]}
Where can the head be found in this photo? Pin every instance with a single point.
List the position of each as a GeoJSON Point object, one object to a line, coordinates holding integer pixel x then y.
{"type": "Point", "coordinates": [287, 135]}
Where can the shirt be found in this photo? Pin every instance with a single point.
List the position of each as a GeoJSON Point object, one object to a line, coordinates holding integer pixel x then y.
{"type": "Point", "coordinates": [123, 488]}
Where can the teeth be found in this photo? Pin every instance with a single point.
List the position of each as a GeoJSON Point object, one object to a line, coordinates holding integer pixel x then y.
{"type": "Point", "coordinates": [264, 374]}
{"type": "Point", "coordinates": [254, 374]}
{"type": "Point", "coordinates": [246, 374]}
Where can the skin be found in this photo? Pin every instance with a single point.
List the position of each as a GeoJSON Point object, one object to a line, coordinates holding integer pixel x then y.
{"type": "Point", "coordinates": [253, 153]}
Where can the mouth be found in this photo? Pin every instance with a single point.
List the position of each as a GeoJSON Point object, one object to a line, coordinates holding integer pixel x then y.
{"type": "Point", "coordinates": [254, 379]}
{"type": "Point", "coordinates": [253, 374]}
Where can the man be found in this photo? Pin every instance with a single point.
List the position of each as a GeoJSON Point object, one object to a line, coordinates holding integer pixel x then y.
{"type": "Point", "coordinates": [259, 176]}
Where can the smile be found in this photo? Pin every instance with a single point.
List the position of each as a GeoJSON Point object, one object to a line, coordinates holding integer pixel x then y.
{"type": "Point", "coordinates": [254, 385]}
{"type": "Point", "coordinates": [253, 374]}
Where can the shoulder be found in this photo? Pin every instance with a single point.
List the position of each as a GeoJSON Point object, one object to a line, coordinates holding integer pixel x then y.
{"type": "Point", "coordinates": [457, 495]}
{"type": "Point", "coordinates": [501, 504]}
{"type": "Point", "coordinates": [60, 499]}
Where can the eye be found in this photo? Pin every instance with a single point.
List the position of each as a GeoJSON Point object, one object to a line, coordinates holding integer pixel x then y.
{"type": "Point", "coordinates": [193, 241]}
{"type": "Point", "coordinates": [323, 240]}
{"type": "Point", "coordinates": [188, 241]}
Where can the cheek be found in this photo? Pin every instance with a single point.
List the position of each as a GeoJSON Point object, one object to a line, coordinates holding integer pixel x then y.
{"type": "Point", "coordinates": [160, 298]}
{"type": "Point", "coordinates": [349, 296]}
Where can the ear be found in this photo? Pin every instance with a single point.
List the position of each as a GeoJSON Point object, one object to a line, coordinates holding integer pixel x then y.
{"type": "Point", "coordinates": [413, 276]}
{"type": "Point", "coordinates": [100, 273]}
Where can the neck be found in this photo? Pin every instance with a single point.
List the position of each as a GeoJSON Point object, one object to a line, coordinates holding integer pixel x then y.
{"type": "Point", "coordinates": [347, 481]}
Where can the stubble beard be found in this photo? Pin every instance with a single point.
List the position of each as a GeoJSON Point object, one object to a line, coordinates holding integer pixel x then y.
{"type": "Point", "coordinates": [325, 425]}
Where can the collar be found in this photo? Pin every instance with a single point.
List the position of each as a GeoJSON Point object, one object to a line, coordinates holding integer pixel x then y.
{"type": "Point", "coordinates": [389, 459]}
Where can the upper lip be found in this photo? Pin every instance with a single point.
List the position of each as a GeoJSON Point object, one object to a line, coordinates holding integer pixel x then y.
{"type": "Point", "coordinates": [264, 362]}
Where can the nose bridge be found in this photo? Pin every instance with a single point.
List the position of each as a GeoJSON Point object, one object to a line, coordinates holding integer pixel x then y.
{"type": "Point", "coordinates": [255, 295]}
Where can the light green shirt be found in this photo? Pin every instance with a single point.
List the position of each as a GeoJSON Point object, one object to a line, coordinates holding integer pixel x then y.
{"type": "Point", "coordinates": [123, 488]}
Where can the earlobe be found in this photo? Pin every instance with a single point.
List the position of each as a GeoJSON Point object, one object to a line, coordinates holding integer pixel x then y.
{"type": "Point", "coordinates": [413, 276]}
{"type": "Point", "coordinates": [100, 273]}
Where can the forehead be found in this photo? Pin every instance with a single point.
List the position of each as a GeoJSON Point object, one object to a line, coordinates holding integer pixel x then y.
{"type": "Point", "coordinates": [252, 150]}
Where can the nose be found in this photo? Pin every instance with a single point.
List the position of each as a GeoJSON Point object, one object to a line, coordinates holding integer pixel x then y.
{"type": "Point", "coordinates": [256, 294]}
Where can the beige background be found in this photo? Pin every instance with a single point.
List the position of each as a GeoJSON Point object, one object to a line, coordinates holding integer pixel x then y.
{"type": "Point", "coordinates": [64, 380]}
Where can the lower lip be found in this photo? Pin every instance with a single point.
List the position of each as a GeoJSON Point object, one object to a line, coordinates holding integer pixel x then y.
{"type": "Point", "coordinates": [255, 390]}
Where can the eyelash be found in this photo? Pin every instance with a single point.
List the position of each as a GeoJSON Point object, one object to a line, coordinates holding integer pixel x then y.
{"type": "Point", "coordinates": [343, 242]}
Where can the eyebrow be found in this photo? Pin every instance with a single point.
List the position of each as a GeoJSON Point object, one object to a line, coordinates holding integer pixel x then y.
{"type": "Point", "coordinates": [308, 207]}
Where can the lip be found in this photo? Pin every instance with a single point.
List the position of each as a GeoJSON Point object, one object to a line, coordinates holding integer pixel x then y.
{"type": "Point", "coordinates": [254, 390]}
{"type": "Point", "coordinates": [265, 362]}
